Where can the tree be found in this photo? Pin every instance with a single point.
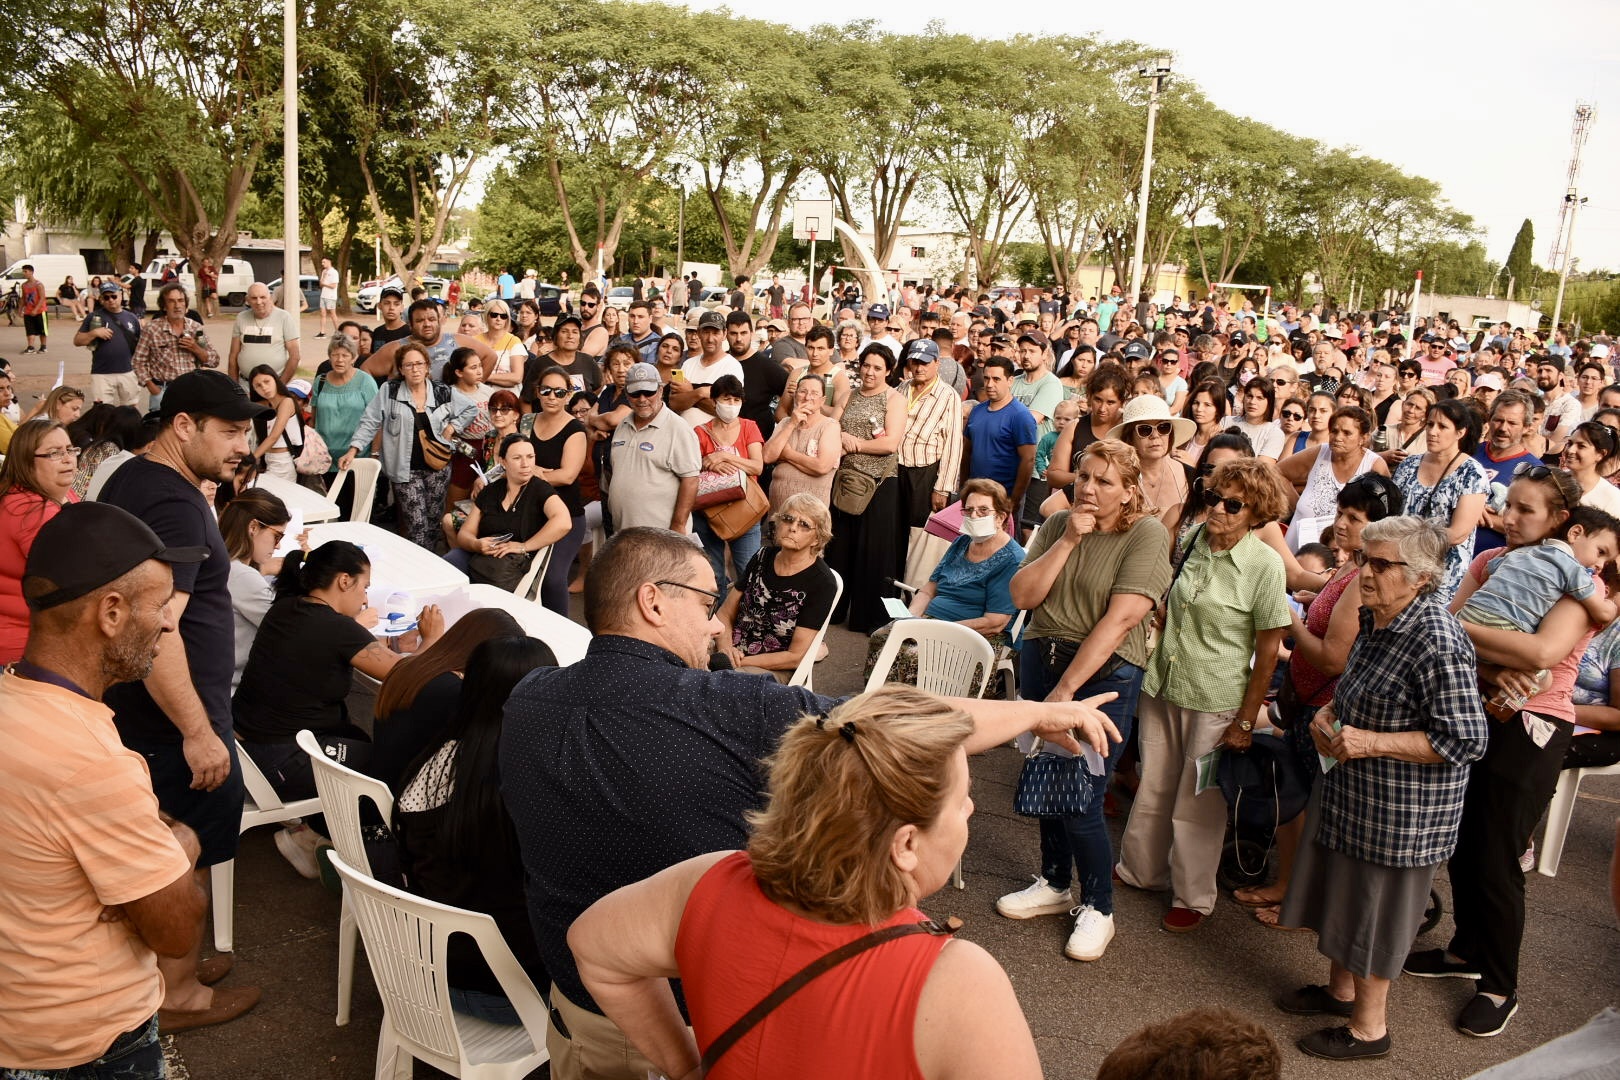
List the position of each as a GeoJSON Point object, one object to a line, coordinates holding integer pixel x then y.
{"type": "Point", "coordinates": [1520, 262]}
{"type": "Point", "coordinates": [182, 96]}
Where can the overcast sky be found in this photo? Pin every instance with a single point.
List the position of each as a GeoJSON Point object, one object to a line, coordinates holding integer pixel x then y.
{"type": "Point", "coordinates": [1478, 97]}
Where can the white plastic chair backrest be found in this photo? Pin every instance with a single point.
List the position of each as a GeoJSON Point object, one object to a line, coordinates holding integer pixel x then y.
{"type": "Point", "coordinates": [406, 943]}
{"type": "Point", "coordinates": [341, 790]}
{"type": "Point", "coordinates": [952, 660]}
{"type": "Point", "coordinates": [1014, 630]}
{"type": "Point", "coordinates": [530, 582]}
{"type": "Point", "coordinates": [362, 473]}
{"type": "Point", "coordinates": [807, 663]}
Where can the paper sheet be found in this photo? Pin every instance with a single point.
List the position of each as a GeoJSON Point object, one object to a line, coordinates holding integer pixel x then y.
{"type": "Point", "coordinates": [295, 529]}
{"type": "Point", "coordinates": [1329, 762]}
{"type": "Point", "coordinates": [895, 608]}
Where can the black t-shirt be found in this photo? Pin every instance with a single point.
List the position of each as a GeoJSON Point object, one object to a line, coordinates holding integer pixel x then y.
{"type": "Point", "coordinates": [181, 517]}
{"type": "Point", "coordinates": [771, 607]}
{"type": "Point", "coordinates": [382, 335]}
{"type": "Point", "coordinates": [584, 372]}
{"type": "Point", "coordinates": [526, 516]}
{"type": "Point", "coordinates": [736, 299]}
{"type": "Point", "coordinates": [549, 455]}
{"type": "Point", "coordinates": [776, 292]}
{"type": "Point", "coordinates": [764, 382]}
{"type": "Point", "coordinates": [298, 672]}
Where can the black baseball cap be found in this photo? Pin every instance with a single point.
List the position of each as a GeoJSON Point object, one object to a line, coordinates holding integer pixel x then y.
{"type": "Point", "coordinates": [391, 290]}
{"type": "Point", "coordinates": [88, 544]}
{"type": "Point", "coordinates": [567, 317]}
{"type": "Point", "coordinates": [205, 392]}
{"type": "Point", "coordinates": [1136, 349]}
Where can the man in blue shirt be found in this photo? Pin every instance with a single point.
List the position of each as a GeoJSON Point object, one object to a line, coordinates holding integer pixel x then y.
{"type": "Point", "coordinates": [1499, 453]}
{"type": "Point", "coordinates": [506, 285]}
{"type": "Point", "coordinates": [998, 442]}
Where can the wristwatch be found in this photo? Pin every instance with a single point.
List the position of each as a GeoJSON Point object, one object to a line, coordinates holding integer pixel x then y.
{"type": "Point", "coordinates": [1245, 725]}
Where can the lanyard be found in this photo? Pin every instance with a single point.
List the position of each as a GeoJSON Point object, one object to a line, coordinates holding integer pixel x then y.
{"type": "Point", "coordinates": [39, 674]}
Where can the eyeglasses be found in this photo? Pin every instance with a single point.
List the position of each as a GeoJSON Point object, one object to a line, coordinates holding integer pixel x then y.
{"type": "Point", "coordinates": [1163, 427]}
{"type": "Point", "coordinates": [551, 391]}
{"type": "Point", "coordinates": [1378, 566]}
{"type": "Point", "coordinates": [717, 600]}
{"type": "Point", "coordinates": [788, 521]}
{"type": "Point", "coordinates": [415, 365]}
{"type": "Point", "coordinates": [493, 409]}
{"type": "Point", "coordinates": [1289, 414]}
{"type": "Point", "coordinates": [497, 315]}
{"type": "Point", "coordinates": [1532, 472]}
{"type": "Point", "coordinates": [59, 453]}
{"type": "Point", "coordinates": [1213, 499]}
{"type": "Point", "coordinates": [641, 394]}
{"type": "Point", "coordinates": [279, 534]}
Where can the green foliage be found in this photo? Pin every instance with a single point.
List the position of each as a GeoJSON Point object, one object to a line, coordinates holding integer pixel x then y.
{"type": "Point", "coordinates": [1521, 260]}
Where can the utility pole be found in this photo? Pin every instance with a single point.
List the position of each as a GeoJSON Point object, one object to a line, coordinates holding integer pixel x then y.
{"type": "Point", "coordinates": [290, 292]}
{"type": "Point", "coordinates": [1158, 69]}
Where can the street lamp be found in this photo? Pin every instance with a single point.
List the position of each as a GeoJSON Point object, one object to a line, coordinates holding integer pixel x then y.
{"type": "Point", "coordinates": [1574, 203]}
{"type": "Point", "coordinates": [1157, 69]}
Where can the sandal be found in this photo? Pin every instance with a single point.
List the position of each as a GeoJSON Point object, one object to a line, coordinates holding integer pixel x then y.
{"type": "Point", "coordinates": [1249, 896]}
{"type": "Point", "coordinates": [1271, 916]}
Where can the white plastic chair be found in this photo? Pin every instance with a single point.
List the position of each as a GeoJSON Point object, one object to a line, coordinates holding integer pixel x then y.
{"type": "Point", "coordinates": [804, 673]}
{"type": "Point", "coordinates": [952, 660]}
{"type": "Point", "coordinates": [1559, 813]}
{"type": "Point", "coordinates": [342, 791]}
{"type": "Point", "coordinates": [529, 584]}
{"type": "Point", "coordinates": [362, 473]}
{"type": "Point", "coordinates": [261, 806]}
{"type": "Point", "coordinates": [1006, 652]}
{"type": "Point", "coordinates": [406, 941]}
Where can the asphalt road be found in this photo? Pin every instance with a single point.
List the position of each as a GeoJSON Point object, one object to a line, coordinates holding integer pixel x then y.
{"type": "Point", "coordinates": [286, 934]}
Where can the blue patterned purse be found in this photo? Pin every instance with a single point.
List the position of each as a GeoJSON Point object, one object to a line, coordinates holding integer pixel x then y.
{"type": "Point", "coordinates": [1052, 785]}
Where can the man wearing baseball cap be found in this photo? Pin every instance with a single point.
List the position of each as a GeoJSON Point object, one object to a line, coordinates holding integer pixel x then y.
{"type": "Point", "coordinates": [931, 447]}
{"type": "Point", "coordinates": [179, 717]}
{"type": "Point", "coordinates": [111, 334]}
{"type": "Point", "coordinates": [391, 306]}
{"type": "Point", "coordinates": [656, 457]}
{"type": "Point", "coordinates": [78, 820]}
{"type": "Point", "coordinates": [702, 370]}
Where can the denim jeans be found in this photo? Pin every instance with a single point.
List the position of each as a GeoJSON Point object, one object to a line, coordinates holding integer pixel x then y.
{"type": "Point", "coordinates": [134, 1055]}
{"type": "Point", "coordinates": [743, 548]}
{"type": "Point", "coordinates": [483, 1005]}
{"type": "Point", "coordinates": [1080, 841]}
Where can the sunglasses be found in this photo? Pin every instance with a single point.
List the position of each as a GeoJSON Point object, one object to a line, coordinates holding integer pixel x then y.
{"type": "Point", "coordinates": [788, 521]}
{"type": "Point", "coordinates": [717, 600]}
{"type": "Point", "coordinates": [642, 394]}
{"type": "Point", "coordinates": [1532, 472]}
{"type": "Point", "coordinates": [1378, 566]}
{"type": "Point", "coordinates": [493, 409]}
{"type": "Point", "coordinates": [1289, 414]}
{"type": "Point", "coordinates": [551, 391]}
{"type": "Point", "coordinates": [496, 315]}
{"type": "Point", "coordinates": [1163, 427]}
{"type": "Point", "coordinates": [1213, 499]}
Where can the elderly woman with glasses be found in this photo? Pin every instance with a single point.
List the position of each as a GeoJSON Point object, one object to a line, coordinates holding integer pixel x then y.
{"type": "Point", "coordinates": [1401, 732]}
{"type": "Point", "coordinates": [784, 595]}
{"type": "Point", "coordinates": [1205, 687]}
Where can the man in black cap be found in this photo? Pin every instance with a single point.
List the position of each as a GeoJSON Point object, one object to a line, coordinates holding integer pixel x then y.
{"type": "Point", "coordinates": [179, 717]}
{"type": "Point", "coordinates": [391, 306]}
{"type": "Point", "coordinates": [83, 834]}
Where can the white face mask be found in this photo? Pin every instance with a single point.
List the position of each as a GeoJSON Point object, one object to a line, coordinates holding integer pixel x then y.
{"type": "Point", "coordinates": [978, 528]}
{"type": "Point", "coordinates": [727, 411]}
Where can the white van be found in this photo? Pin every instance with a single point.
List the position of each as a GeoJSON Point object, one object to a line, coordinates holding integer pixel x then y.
{"type": "Point", "coordinates": [235, 275]}
{"type": "Point", "coordinates": [51, 270]}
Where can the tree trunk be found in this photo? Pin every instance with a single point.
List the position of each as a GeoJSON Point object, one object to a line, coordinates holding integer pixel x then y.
{"type": "Point", "coordinates": [345, 250]}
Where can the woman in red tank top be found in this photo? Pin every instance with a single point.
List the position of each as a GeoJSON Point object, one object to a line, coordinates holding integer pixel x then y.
{"type": "Point", "coordinates": [867, 815]}
{"type": "Point", "coordinates": [1321, 647]}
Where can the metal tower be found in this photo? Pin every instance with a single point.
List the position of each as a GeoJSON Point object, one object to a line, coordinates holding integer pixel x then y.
{"type": "Point", "coordinates": [1577, 141]}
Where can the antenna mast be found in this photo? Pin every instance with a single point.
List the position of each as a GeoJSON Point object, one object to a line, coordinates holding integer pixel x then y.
{"type": "Point", "coordinates": [1577, 142]}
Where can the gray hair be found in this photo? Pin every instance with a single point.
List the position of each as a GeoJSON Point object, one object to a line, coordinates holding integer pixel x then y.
{"type": "Point", "coordinates": [343, 341]}
{"type": "Point", "coordinates": [808, 506]}
{"type": "Point", "coordinates": [1422, 545]}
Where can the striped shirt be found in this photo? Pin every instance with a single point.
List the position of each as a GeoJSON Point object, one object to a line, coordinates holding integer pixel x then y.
{"type": "Point", "coordinates": [1416, 674]}
{"type": "Point", "coordinates": [934, 433]}
{"type": "Point", "coordinates": [1220, 602]}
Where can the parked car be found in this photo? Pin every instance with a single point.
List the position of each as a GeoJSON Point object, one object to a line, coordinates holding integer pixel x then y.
{"type": "Point", "coordinates": [51, 270]}
{"type": "Point", "coordinates": [365, 300]}
{"type": "Point", "coordinates": [235, 275]}
{"type": "Point", "coordinates": [548, 297]}
{"type": "Point", "coordinates": [309, 285]}
{"type": "Point", "coordinates": [714, 297]}
{"type": "Point", "coordinates": [620, 296]}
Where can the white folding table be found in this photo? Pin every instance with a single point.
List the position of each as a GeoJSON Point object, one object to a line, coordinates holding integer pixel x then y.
{"type": "Point", "coordinates": [312, 505]}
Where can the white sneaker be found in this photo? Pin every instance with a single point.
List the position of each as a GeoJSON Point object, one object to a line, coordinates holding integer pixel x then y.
{"type": "Point", "coordinates": [1092, 932]}
{"type": "Point", "coordinates": [1039, 899]}
{"type": "Point", "coordinates": [1527, 861]}
{"type": "Point", "coordinates": [297, 848]}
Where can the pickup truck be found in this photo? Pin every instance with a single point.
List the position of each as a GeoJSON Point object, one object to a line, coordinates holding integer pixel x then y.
{"type": "Point", "coordinates": [235, 275]}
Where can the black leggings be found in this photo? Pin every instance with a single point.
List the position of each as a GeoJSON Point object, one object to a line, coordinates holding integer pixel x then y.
{"type": "Point", "coordinates": [287, 767]}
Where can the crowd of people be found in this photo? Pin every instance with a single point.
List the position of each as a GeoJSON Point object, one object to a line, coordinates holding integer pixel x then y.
{"type": "Point", "coordinates": [1172, 500]}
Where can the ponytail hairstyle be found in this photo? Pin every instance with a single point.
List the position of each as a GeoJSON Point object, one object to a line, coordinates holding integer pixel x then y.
{"type": "Point", "coordinates": [302, 574]}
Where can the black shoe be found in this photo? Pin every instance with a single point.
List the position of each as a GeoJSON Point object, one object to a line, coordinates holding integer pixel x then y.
{"type": "Point", "coordinates": [1314, 1001]}
{"type": "Point", "coordinates": [1434, 964]}
{"type": "Point", "coordinates": [1483, 1017]}
{"type": "Point", "coordinates": [1338, 1044]}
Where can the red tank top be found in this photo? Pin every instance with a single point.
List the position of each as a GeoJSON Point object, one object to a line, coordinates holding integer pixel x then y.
{"type": "Point", "coordinates": [1314, 687]}
{"type": "Point", "coordinates": [856, 1021]}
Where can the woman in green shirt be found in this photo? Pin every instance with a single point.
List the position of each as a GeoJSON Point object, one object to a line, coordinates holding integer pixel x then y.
{"type": "Point", "coordinates": [340, 395]}
{"type": "Point", "coordinates": [1092, 576]}
{"type": "Point", "coordinates": [1228, 604]}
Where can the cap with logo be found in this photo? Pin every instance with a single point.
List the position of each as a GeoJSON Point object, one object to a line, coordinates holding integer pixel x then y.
{"type": "Point", "coordinates": [568, 317]}
{"type": "Point", "coordinates": [1136, 349]}
{"type": "Point", "coordinates": [391, 290]}
{"type": "Point", "coordinates": [1036, 337]}
{"type": "Point", "coordinates": [920, 351]}
{"type": "Point", "coordinates": [641, 377]}
{"type": "Point", "coordinates": [205, 392]}
{"type": "Point", "coordinates": [87, 545]}
{"type": "Point", "coordinates": [1238, 337]}
{"type": "Point", "coordinates": [109, 287]}
{"type": "Point", "coordinates": [711, 320]}
{"type": "Point", "coordinates": [877, 311]}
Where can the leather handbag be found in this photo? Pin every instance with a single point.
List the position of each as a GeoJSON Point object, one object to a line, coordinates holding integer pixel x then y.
{"type": "Point", "coordinates": [731, 519]}
{"type": "Point", "coordinates": [435, 454]}
{"type": "Point", "coordinates": [717, 488]}
{"type": "Point", "coordinates": [1052, 785]}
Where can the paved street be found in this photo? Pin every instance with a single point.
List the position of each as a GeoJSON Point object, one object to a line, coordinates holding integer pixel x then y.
{"type": "Point", "coordinates": [286, 935]}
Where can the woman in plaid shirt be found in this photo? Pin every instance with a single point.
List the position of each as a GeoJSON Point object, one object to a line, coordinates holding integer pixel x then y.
{"type": "Point", "coordinates": [1405, 723]}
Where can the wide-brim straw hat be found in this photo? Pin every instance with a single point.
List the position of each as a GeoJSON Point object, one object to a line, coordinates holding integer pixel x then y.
{"type": "Point", "coordinates": [1149, 408]}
